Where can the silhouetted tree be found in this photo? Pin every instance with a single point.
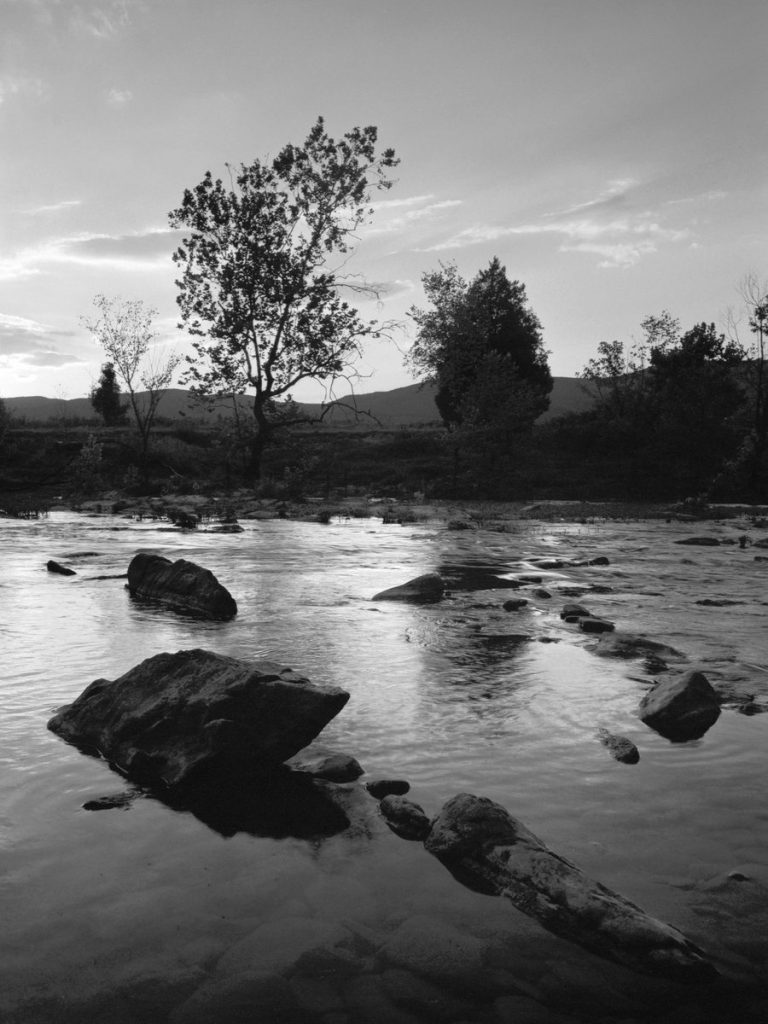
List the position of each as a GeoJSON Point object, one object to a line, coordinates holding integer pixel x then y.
{"type": "Point", "coordinates": [125, 332]}
{"type": "Point", "coordinates": [479, 334]}
{"type": "Point", "coordinates": [106, 398]}
{"type": "Point", "coordinates": [257, 281]}
{"type": "Point", "coordinates": [667, 408]}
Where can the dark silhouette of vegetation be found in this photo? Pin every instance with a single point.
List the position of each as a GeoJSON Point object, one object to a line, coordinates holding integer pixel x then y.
{"type": "Point", "coordinates": [669, 410]}
{"type": "Point", "coordinates": [106, 399]}
{"type": "Point", "coordinates": [258, 285]}
{"type": "Point", "coordinates": [481, 344]}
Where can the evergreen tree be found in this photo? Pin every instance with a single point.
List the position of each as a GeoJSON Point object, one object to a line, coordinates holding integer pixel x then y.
{"type": "Point", "coordinates": [106, 398]}
{"type": "Point", "coordinates": [481, 344]}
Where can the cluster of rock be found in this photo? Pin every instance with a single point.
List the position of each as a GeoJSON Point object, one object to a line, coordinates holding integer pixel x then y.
{"type": "Point", "coordinates": [195, 719]}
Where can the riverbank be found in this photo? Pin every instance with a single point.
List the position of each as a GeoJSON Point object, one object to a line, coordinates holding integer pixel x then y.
{"type": "Point", "coordinates": [498, 515]}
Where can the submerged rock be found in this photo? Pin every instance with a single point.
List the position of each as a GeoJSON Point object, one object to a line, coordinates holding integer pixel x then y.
{"type": "Point", "coordinates": [706, 542]}
{"type": "Point", "coordinates": [572, 612]}
{"type": "Point", "coordinates": [406, 818]}
{"type": "Point", "coordinates": [429, 587]}
{"type": "Point", "coordinates": [490, 851]}
{"type": "Point", "coordinates": [61, 570]}
{"type": "Point", "coordinates": [183, 586]}
{"type": "Point", "coordinates": [592, 624]}
{"type": "Point", "coordinates": [681, 708]}
{"type": "Point", "coordinates": [379, 788]}
{"type": "Point", "coordinates": [177, 717]}
{"type": "Point", "coordinates": [620, 747]}
{"type": "Point", "coordinates": [323, 763]}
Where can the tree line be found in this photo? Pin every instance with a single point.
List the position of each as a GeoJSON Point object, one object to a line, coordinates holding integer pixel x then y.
{"type": "Point", "coordinates": [261, 290]}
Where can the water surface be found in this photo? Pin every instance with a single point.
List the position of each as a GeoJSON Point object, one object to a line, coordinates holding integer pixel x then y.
{"type": "Point", "coordinates": [126, 914]}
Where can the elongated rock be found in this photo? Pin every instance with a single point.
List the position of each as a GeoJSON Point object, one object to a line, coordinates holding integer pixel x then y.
{"type": "Point", "coordinates": [490, 851]}
{"type": "Point", "coordinates": [181, 585]}
{"type": "Point", "coordinates": [176, 718]}
{"type": "Point", "coordinates": [429, 587]}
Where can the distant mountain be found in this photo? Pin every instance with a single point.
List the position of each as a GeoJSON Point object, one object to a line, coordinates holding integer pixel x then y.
{"type": "Point", "coordinates": [413, 405]}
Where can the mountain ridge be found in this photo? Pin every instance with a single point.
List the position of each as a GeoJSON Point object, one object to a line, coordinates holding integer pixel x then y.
{"type": "Point", "coordinates": [411, 405]}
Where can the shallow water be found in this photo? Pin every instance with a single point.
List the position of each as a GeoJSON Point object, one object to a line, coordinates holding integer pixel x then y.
{"type": "Point", "coordinates": [149, 914]}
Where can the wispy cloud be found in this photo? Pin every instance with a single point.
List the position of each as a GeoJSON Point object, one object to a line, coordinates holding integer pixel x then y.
{"type": "Point", "coordinates": [139, 251]}
{"type": "Point", "coordinates": [12, 86]}
{"type": "Point", "coordinates": [418, 208]}
{"type": "Point", "coordinates": [119, 97]}
{"type": "Point", "coordinates": [31, 343]}
{"type": "Point", "coordinates": [65, 204]}
{"type": "Point", "coordinates": [103, 19]}
{"type": "Point", "coordinates": [606, 225]}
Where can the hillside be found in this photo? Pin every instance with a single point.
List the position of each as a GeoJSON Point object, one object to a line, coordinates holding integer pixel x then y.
{"type": "Point", "coordinates": [407, 406]}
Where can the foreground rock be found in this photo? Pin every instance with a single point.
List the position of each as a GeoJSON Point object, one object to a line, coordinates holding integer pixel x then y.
{"type": "Point", "coordinates": [489, 851]}
{"type": "Point", "coordinates": [621, 748]}
{"type": "Point", "coordinates": [181, 585]}
{"type": "Point", "coordinates": [429, 587]}
{"type": "Point", "coordinates": [59, 569]}
{"type": "Point", "coordinates": [681, 708]}
{"type": "Point", "coordinates": [177, 718]}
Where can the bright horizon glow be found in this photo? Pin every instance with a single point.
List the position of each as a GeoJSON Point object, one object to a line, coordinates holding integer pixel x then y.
{"type": "Point", "coordinates": [612, 155]}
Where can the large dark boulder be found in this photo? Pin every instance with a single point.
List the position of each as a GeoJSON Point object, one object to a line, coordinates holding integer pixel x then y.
{"type": "Point", "coordinates": [429, 587]}
{"type": "Point", "coordinates": [681, 707]}
{"type": "Point", "coordinates": [183, 586]}
{"type": "Point", "coordinates": [178, 718]}
{"type": "Point", "coordinates": [490, 851]}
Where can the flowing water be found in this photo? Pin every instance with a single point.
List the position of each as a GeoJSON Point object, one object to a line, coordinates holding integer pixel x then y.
{"type": "Point", "coordinates": [149, 914]}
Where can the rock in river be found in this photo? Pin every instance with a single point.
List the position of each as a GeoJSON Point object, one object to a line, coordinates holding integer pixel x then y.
{"type": "Point", "coordinates": [181, 585]}
{"type": "Point", "coordinates": [429, 587]}
{"type": "Point", "coordinates": [57, 567]}
{"type": "Point", "coordinates": [176, 718]}
{"type": "Point", "coordinates": [489, 851]}
{"type": "Point", "coordinates": [682, 707]}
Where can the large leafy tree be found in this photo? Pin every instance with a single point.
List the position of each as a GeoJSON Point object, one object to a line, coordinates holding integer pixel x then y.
{"type": "Point", "coordinates": [481, 344]}
{"type": "Point", "coordinates": [260, 271]}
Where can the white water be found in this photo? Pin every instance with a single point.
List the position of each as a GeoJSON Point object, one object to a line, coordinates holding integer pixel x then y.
{"type": "Point", "coordinates": [130, 911]}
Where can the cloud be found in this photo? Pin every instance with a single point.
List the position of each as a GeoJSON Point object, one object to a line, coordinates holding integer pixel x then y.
{"type": "Point", "coordinates": [605, 225]}
{"type": "Point", "coordinates": [413, 212]}
{"type": "Point", "coordinates": [138, 251]}
{"type": "Point", "coordinates": [12, 86]}
{"type": "Point", "coordinates": [119, 97]}
{"type": "Point", "coordinates": [104, 19]}
{"type": "Point", "coordinates": [31, 343]}
{"type": "Point", "coordinates": [65, 204]}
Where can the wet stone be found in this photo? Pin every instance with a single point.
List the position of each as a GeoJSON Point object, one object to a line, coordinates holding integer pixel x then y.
{"type": "Point", "coordinates": [514, 604]}
{"type": "Point", "coordinates": [593, 625]}
{"type": "Point", "coordinates": [379, 788]}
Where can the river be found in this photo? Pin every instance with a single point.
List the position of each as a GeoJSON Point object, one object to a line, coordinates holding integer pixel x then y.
{"type": "Point", "coordinates": [148, 914]}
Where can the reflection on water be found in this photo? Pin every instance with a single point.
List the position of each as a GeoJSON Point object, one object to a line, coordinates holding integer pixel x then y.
{"type": "Point", "coordinates": [457, 696]}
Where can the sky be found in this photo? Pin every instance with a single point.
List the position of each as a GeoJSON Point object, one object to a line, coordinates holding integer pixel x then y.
{"type": "Point", "coordinates": [611, 153]}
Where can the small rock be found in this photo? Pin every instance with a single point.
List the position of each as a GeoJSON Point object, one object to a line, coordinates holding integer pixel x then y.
{"type": "Point", "coordinates": [592, 625]}
{"type": "Point", "coordinates": [620, 747]}
{"type": "Point", "coordinates": [600, 560]}
{"type": "Point", "coordinates": [379, 788]}
{"type": "Point", "coordinates": [113, 800]}
{"type": "Point", "coordinates": [542, 593]}
{"type": "Point", "coordinates": [406, 818]}
{"type": "Point", "coordinates": [514, 604]}
{"type": "Point", "coordinates": [572, 611]}
{"type": "Point", "coordinates": [182, 585]}
{"type": "Point", "coordinates": [322, 763]}
{"type": "Point", "coordinates": [62, 570]}
{"type": "Point", "coordinates": [705, 542]}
